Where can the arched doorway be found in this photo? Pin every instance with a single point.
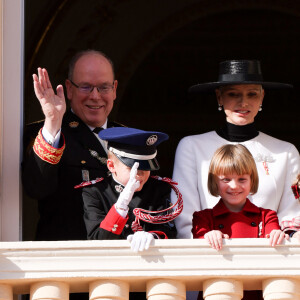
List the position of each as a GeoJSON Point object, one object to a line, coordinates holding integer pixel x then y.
{"type": "Point", "coordinates": [159, 50]}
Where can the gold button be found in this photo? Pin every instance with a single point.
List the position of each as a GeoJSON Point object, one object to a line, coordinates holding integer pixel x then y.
{"type": "Point", "coordinates": [83, 161]}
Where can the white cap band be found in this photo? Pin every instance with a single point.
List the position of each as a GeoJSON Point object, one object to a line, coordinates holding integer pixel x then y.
{"type": "Point", "coordinates": [133, 156]}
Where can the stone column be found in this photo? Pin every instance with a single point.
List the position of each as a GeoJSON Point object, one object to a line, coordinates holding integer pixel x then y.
{"type": "Point", "coordinates": [281, 289]}
{"type": "Point", "coordinates": [49, 291]}
{"type": "Point", "coordinates": [225, 289]}
{"type": "Point", "coordinates": [6, 292]}
{"type": "Point", "coordinates": [109, 289]}
{"type": "Point", "coordinates": [165, 289]}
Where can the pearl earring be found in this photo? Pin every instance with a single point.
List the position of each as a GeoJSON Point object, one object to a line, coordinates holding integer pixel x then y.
{"type": "Point", "coordinates": [260, 108]}
{"type": "Point", "coordinates": [220, 107]}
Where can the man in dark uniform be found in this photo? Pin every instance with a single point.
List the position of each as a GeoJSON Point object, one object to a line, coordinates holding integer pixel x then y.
{"type": "Point", "coordinates": [110, 203]}
{"type": "Point", "coordinates": [63, 150]}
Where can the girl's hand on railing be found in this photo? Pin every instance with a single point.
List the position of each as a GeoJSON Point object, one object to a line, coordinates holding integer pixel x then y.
{"type": "Point", "coordinates": [215, 238]}
{"type": "Point", "coordinates": [276, 237]}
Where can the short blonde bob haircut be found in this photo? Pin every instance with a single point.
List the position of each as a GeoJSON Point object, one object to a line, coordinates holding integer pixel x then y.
{"type": "Point", "coordinates": [230, 159]}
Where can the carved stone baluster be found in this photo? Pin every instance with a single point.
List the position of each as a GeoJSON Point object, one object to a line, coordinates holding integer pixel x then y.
{"type": "Point", "coordinates": [49, 290]}
{"type": "Point", "coordinates": [218, 288]}
{"type": "Point", "coordinates": [281, 289]}
{"type": "Point", "coordinates": [109, 289]}
{"type": "Point", "coordinates": [6, 292]}
{"type": "Point", "coordinates": [165, 289]}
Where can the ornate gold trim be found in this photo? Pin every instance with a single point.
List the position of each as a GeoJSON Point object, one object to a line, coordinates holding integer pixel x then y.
{"type": "Point", "coordinates": [46, 152]}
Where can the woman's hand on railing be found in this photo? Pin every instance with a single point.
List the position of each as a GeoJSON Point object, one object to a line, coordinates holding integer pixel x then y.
{"type": "Point", "coordinates": [276, 237]}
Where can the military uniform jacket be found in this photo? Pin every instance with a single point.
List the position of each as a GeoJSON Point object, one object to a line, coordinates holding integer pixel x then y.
{"type": "Point", "coordinates": [251, 222]}
{"type": "Point", "coordinates": [103, 221]}
{"type": "Point", "coordinates": [60, 205]}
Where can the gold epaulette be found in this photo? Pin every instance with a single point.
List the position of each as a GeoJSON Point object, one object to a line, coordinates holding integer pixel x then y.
{"type": "Point", "coordinates": [46, 152]}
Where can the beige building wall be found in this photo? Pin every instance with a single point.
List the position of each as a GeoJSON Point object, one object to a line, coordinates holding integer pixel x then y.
{"type": "Point", "coordinates": [11, 111]}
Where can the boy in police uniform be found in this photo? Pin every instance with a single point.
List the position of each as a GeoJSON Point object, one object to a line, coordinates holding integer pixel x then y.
{"type": "Point", "coordinates": [109, 202]}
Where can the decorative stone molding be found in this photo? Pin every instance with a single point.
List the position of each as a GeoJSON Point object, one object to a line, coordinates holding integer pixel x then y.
{"type": "Point", "coordinates": [281, 289]}
{"type": "Point", "coordinates": [6, 292]}
{"type": "Point", "coordinates": [220, 288]}
{"type": "Point", "coordinates": [109, 289]}
{"type": "Point", "coordinates": [169, 265]}
{"type": "Point", "coordinates": [165, 289]}
{"type": "Point", "coordinates": [49, 290]}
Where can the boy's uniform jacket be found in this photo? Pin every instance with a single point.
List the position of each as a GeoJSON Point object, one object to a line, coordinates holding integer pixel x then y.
{"type": "Point", "coordinates": [102, 220]}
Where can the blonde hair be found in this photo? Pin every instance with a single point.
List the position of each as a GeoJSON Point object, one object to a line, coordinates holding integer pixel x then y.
{"type": "Point", "coordinates": [230, 159]}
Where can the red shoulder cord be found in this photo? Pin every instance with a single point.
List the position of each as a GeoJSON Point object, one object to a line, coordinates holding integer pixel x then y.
{"type": "Point", "coordinates": [145, 215]}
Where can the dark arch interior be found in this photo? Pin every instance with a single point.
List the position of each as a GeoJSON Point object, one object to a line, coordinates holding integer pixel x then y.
{"type": "Point", "coordinates": [155, 96]}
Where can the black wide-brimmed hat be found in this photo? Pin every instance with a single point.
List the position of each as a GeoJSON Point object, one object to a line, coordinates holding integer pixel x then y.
{"type": "Point", "coordinates": [232, 72]}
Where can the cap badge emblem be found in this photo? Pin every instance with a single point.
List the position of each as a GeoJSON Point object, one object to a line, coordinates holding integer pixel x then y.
{"type": "Point", "coordinates": [73, 124]}
{"type": "Point", "coordinates": [151, 140]}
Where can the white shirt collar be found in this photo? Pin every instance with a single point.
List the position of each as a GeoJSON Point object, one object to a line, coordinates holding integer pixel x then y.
{"type": "Point", "coordinates": [104, 126]}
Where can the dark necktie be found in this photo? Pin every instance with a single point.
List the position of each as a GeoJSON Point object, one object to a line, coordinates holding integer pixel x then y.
{"type": "Point", "coordinates": [97, 129]}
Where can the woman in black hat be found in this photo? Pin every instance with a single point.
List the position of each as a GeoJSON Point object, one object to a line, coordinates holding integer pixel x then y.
{"type": "Point", "coordinates": [240, 93]}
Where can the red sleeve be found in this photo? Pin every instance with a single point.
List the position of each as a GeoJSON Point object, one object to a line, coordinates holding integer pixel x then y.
{"type": "Point", "coordinates": [270, 221]}
{"type": "Point", "coordinates": [202, 223]}
{"type": "Point", "coordinates": [113, 222]}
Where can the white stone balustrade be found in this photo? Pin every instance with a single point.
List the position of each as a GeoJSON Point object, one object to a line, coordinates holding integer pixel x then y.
{"type": "Point", "coordinates": [107, 269]}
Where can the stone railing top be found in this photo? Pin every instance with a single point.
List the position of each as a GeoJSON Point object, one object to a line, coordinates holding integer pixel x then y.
{"type": "Point", "coordinates": [190, 261]}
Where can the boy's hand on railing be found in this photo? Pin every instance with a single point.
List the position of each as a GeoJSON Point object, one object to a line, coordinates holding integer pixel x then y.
{"type": "Point", "coordinates": [215, 238]}
{"type": "Point", "coordinates": [276, 237]}
{"type": "Point", "coordinates": [140, 240]}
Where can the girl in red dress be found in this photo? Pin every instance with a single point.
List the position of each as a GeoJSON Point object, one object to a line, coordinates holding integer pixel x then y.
{"type": "Point", "coordinates": [233, 176]}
